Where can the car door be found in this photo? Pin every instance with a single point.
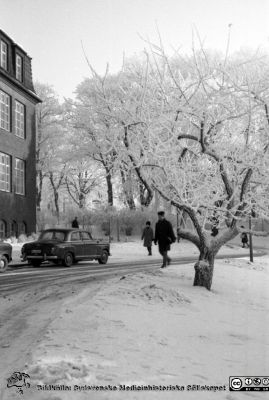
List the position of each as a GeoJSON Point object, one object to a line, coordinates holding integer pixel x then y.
{"type": "Point", "coordinates": [90, 245]}
{"type": "Point", "coordinates": [77, 243]}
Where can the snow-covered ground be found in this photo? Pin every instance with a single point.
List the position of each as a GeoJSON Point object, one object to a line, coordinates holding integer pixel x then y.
{"type": "Point", "coordinates": [154, 328]}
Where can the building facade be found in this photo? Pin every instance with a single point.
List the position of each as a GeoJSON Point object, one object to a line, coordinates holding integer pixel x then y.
{"type": "Point", "coordinates": [17, 141]}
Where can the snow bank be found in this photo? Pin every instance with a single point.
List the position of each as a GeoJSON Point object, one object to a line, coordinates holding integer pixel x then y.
{"type": "Point", "coordinates": [156, 329]}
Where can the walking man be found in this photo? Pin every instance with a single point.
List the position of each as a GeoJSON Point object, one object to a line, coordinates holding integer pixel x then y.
{"type": "Point", "coordinates": [164, 236]}
{"type": "Point", "coordinates": [147, 235]}
{"type": "Point", "coordinates": [75, 223]}
{"type": "Point", "coordinates": [244, 239]}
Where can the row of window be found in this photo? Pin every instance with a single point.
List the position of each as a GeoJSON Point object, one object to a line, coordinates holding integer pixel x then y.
{"type": "Point", "coordinates": [6, 174]}
{"type": "Point", "coordinates": [5, 115]}
{"type": "Point", "coordinates": [15, 229]}
{"type": "Point", "coordinates": [4, 60]}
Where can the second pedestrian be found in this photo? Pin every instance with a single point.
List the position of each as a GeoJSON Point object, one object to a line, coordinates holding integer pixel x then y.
{"type": "Point", "coordinates": [244, 239]}
{"type": "Point", "coordinates": [147, 236]}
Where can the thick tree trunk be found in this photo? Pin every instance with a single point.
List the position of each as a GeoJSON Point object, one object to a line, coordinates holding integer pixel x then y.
{"type": "Point", "coordinates": [204, 269]}
{"type": "Point", "coordinates": [109, 189]}
{"type": "Point", "coordinates": [145, 195]}
{"type": "Point", "coordinates": [130, 203]}
{"type": "Point", "coordinates": [56, 202]}
{"type": "Point", "coordinates": [39, 189]}
{"type": "Point", "coordinates": [128, 192]}
{"type": "Point", "coordinates": [55, 189]}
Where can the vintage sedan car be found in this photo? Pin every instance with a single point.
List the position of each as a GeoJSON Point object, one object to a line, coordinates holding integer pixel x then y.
{"type": "Point", "coordinates": [65, 246]}
{"type": "Point", "coordinates": [5, 255]}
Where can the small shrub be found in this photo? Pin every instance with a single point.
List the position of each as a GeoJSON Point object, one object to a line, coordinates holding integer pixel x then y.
{"type": "Point", "coordinates": [13, 239]}
{"type": "Point", "coordinates": [32, 237]}
{"type": "Point", "coordinates": [22, 238]}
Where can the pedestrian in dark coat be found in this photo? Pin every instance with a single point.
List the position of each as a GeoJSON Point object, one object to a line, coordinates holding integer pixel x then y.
{"type": "Point", "coordinates": [147, 235]}
{"type": "Point", "coordinates": [75, 223]}
{"type": "Point", "coordinates": [164, 236]}
{"type": "Point", "coordinates": [244, 239]}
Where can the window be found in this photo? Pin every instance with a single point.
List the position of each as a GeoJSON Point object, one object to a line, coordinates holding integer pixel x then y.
{"type": "Point", "coordinates": [86, 236]}
{"type": "Point", "coordinates": [4, 172]}
{"type": "Point", "coordinates": [3, 229]}
{"type": "Point", "coordinates": [75, 236]}
{"type": "Point", "coordinates": [19, 119]}
{"type": "Point", "coordinates": [18, 67]}
{"type": "Point", "coordinates": [23, 228]}
{"type": "Point", "coordinates": [19, 176]}
{"type": "Point", "coordinates": [3, 52]}
{"type": "Point", "coordinates": [4, 111]}
{"type": "Point", "coordinates": [52, 235]}
{"type": "Point", "coordinates": [14, 229]}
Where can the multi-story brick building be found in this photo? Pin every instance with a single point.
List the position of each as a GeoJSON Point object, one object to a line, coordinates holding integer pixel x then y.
{"type": "Point", "coordinates": [17, 140]}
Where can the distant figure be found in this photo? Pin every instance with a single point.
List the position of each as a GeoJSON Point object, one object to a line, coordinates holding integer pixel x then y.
{"type": "Point", "coordinates": [214, 227]}
{"type": "Point", "coordinates": [214, 231]}
{"type": "Point", "coordinates": [244, 239]}
{"type": "Point", "coordinates": [164, 236]}
{"type": "Point", "coordinates": [147, 235]}
{"type": "Point", "coordinates": [75, 223]}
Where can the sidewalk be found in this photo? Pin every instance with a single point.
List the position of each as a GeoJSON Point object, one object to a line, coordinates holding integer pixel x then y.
{"type": "Point", "coordinates": [257, 241]}
{"type": "Point", "coordinates": [134, 250]}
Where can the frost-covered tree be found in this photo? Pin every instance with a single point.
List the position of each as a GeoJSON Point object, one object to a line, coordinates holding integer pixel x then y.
{"type": "Point", "coordinates": [81, 178]}
{"type": "Point", "coordinates": [193, 129]}
{"type": "Point", "coordinates": [48, 114]}
{"type": "Point", "coordinates": [111, 105]}
{"type": "Point", "coordinates": [91, 134]}
{"type": "Point", "coordinates": [201, 144]}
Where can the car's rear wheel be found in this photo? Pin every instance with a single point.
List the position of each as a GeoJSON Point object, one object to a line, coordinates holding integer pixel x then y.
{"type": "Point", "coordinates": [35, 263]}
{"type": "Point", "coordinates": [3, 263]}
{"type": "Point", "coordinates": [68, 259]}
{"type": "Point", "coordinates": [103, 258]}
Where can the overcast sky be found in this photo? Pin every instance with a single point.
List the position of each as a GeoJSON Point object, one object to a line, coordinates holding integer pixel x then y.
{"type": "Point", "coordinates": [51, 31]}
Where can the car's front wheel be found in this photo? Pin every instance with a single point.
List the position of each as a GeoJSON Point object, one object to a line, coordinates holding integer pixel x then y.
{"type": "Point", "coordinates": [3, 263]}
{"type": "Point", "coordinates": [68, 259]}
{"type": "Point", "coordinates": [103, 258]}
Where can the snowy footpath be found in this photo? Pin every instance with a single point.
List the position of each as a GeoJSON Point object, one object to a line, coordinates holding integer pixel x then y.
{"type": "Point", "coordinates": [152, 335]}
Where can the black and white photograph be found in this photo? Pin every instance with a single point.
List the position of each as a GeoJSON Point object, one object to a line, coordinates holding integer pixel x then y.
{"type": "Point", "coordinates": [134, 199]}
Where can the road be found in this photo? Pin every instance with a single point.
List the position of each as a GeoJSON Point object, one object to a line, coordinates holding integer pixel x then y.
{"type": "Point", "coordinates": [25, 277]}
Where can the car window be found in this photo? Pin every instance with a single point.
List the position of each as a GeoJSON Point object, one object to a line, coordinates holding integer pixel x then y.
{"type": "Point", "coordinates": [75, 236]}
{"type": "Point", "coordinates": [59, 235]}
{"type": "Point", "coordinates": [86, 236]}
{"type": "Point", "coordinates": [52, 235]}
